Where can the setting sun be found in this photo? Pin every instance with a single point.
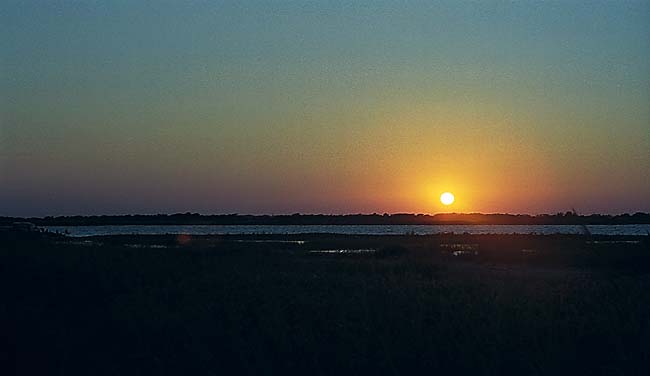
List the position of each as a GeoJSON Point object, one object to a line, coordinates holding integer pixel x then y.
{"type": "Point", "coordinates": [447, 198]}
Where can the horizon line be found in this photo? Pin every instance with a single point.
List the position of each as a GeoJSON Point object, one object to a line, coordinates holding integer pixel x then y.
{"type": "Point", "coordinates": [571, 212]}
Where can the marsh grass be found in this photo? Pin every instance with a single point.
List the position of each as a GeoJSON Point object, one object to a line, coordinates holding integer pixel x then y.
{"type": "Point", "coordinates": [215, 307]}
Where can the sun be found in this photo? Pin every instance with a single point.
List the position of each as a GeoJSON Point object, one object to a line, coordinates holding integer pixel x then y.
{"type": "Point", "coordinates": [447, 198]}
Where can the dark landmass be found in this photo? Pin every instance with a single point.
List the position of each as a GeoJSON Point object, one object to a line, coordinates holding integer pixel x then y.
{"type": "Point", "coordinates": [568, 218]}
{"type": "Point", "coordinates": [324, 304]}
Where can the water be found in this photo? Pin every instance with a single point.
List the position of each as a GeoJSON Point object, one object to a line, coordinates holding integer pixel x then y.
{"type": "Point", "coordinates": [348, 229]}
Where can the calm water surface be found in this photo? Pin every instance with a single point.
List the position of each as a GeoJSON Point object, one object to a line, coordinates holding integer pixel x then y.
{"type": "Point", "coordinates": [349, 229]}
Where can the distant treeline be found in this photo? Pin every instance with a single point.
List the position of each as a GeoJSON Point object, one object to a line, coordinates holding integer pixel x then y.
{"type": "Point", "coordinates": [350, 219]}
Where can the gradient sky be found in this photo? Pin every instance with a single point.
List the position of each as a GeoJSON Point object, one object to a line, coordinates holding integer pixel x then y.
{"type": "Point", "coordinates": [110, 107]}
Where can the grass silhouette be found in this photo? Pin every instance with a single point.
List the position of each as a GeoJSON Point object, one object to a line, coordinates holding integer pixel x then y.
{"type": "Point", "coordinates": [218, 304]}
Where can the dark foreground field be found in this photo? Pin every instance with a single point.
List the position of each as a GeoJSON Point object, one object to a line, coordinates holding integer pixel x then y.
{"type": "Point", "coordinates": [483, 305]}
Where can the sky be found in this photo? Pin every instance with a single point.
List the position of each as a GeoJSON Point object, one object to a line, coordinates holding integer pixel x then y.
{"type": "Point", "coordinates": [118, 107]}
